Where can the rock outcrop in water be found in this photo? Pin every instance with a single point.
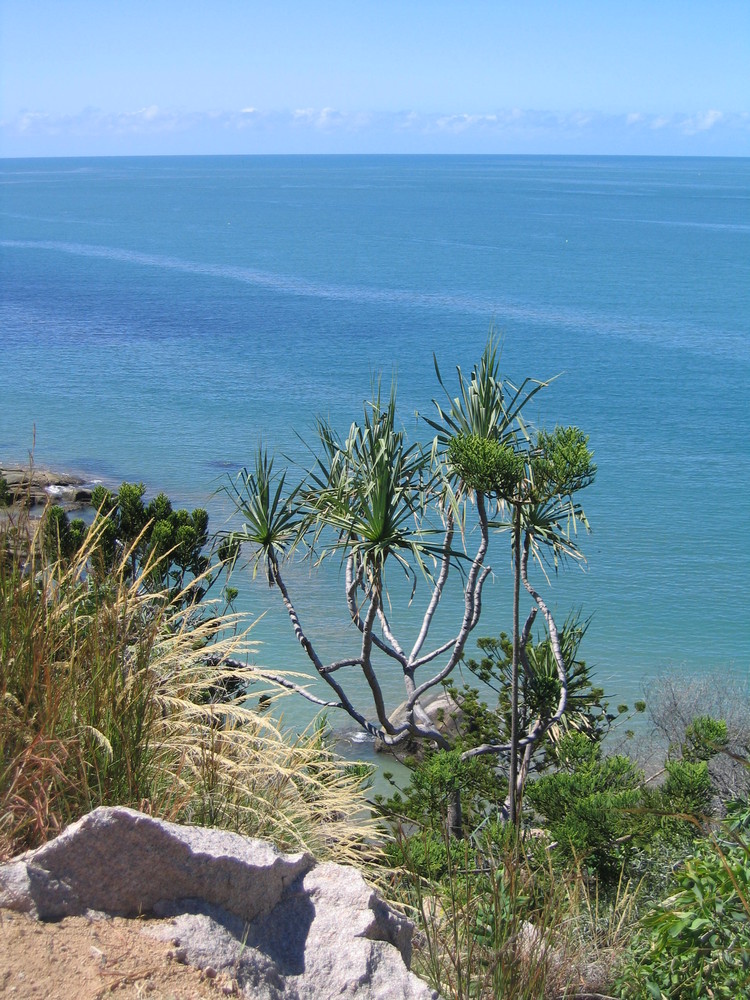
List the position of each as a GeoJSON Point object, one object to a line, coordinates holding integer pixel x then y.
{"type": "Point", "coordinates": [284, 926]}
{"type": "Point", "coordinates": [36, 487]}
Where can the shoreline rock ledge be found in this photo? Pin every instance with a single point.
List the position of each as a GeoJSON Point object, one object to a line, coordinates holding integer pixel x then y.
{"type": "Point", "coordinates": [34, 486]}
{"type": "Point", "coordinates": [282, 925]}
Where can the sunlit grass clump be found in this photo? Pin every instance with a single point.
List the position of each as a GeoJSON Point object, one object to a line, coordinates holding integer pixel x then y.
{"type": "Point", "coordinates": [108, 697]}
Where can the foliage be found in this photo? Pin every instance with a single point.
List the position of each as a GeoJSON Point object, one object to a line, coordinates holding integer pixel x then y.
{"type": "Point", "coordinates": [572, 895]}
{"type": "Point", "coordinates": [62, 536]}
{"type": "Point", "coordinates": [485, 464]}
{"type": "Point", "coordinates": [676, 700]}
{"type": "Point", "coordinates": [696, 943]}
{"type": "Point", "coordinates": [166, 548]}
{"type": "Point", "coordinates": [102, 683]}
{"type": "Point", "coordinates": [486, 406]}
{"type": "Point", "coordinates": [429, 797]}
{"type": "Point", "coordinates": [271, 521]}
{"type": "Point", "coordinates": [434, 780]}
{"type": "Point", "coordinates": [497, 921]}
{"type": "Point", "coordinates": [474, 918]}
{"type": "Point", "coordinates": [687, 788]}
{"type": "Point", "coordinates": [584, 803]}
{"type": "Point", "coordinates": [368, 494]}
{"type": "Point", "coordinates": [586, 710]}
{"type": "Point", "coordinates": [6, 497]}
{"type": "Point", "coordinates": [602, 813]}
{"type": "Point", "coordinates": [704, 738]}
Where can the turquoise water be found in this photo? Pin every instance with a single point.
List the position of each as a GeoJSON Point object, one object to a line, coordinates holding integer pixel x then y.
{"type": "Point", "coordinates": [162, 315]}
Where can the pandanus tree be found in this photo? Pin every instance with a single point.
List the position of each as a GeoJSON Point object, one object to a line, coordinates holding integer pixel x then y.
{"type": "Point", "coordinates": [382, 506]}
{"type": "Point", "coordinates": [535, 486]}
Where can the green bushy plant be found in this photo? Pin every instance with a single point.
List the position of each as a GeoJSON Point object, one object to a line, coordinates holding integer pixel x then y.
{"type": "Point", "coordinates": [586, 803]}
{"type": "Point", "coordinates": [167, 548]}
{"type": "Point", "coordinates": [486, 712]}
{"type": "Point", "coordinates": [430, 795]}
{"type": "Point", "coordinates": [696, 943]}
{"type": "Point", "coordinates": [62, 537]}
{"type": "Point", "coordinates": [472, 902]}
{"type": "Point", "coordinates": [704, 738]}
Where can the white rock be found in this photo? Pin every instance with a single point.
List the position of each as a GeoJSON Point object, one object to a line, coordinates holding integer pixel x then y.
{"type": "Point", "coordinates": [285, 927]}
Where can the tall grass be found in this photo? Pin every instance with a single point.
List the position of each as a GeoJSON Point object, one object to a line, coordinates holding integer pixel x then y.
{"type": "Point", "coordinates": [105, 700]}
{"type": "Point", "coordinates": [497, 920]}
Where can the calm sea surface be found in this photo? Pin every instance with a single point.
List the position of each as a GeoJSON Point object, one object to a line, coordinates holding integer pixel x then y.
{"type": "Point", "coordinates": [160, 316]}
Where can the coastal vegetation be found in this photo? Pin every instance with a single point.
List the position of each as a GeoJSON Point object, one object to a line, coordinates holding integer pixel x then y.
{"type": "Point", "coordinates": [107, 696]}
{"type": "Point", "coordinates": [385, 508]}
{"type": "Point", "coordinates": [540, 852]}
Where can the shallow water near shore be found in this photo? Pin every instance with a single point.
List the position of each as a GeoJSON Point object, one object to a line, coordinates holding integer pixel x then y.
{"type": "Point", "coordinates": [161, 316]}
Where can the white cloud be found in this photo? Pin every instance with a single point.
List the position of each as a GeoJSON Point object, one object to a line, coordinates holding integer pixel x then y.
{"type": "Point", "coordinates": [500, 129]}
{"type": "Point", "coordinates": [701, 123]}
{"type": "Point", "coordinates": [330, 118]}
{"type": "Point", "coordinates": [460, 123]}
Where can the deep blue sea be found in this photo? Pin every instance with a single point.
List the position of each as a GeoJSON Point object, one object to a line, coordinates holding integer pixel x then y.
{"type": "Point", "coordinates": [161, 316]}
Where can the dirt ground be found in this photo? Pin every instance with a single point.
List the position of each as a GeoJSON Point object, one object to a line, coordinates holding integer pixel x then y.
{"type": "Point", "coordinates": [82, 959]}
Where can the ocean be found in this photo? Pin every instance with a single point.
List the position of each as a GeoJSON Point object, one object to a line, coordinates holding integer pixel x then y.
{"type": "Point", "coordinates": [162, 316]}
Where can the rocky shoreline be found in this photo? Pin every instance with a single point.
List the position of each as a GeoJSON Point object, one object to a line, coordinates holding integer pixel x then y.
{"type": "Point", "coordinates": [31, 486]}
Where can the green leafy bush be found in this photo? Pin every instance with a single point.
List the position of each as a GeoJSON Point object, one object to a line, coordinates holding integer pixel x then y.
{"type": "Point", "coordinates": [166, 547]}
{"type": "Point", "coordinates": [696, 943]}
{"type": "Point", "coordinates": [688, 788]}
{"type": "Point", "coordinates": [437, 784]}
{"type": "Point", "coordinates": [587, 710]}
{"type": "Point", "coordinates": [586, 804]}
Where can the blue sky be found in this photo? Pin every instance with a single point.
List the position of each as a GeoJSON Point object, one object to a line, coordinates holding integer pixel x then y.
{"type": "Point", "coordinates": [119, 77]}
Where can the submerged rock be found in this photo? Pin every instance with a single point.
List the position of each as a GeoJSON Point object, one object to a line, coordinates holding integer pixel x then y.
{"type": "Point", "coordinates": [439, 711]}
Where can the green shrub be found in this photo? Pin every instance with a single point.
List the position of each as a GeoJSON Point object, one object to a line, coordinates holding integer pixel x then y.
{"type": "Point", "coordinates": [704, 738]}
{"type": "Point", "coordinates": [587, 804]}
{"type": "Point", "coordinates": [696, 943]}
{"type": "Point", "coordinates": [166, 548]}
{"type": "Point", "coordinates": [437, 783]}
{"type": "Point", "coordinates": [688, 788]}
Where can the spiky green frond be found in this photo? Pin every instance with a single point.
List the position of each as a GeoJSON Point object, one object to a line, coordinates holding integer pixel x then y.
{"type": "Point", "coordinates": [369, 493]}
{"type": "Point", "coordinates": [272, 522]}
{"type": "Point", "coordinates": [487, 406]}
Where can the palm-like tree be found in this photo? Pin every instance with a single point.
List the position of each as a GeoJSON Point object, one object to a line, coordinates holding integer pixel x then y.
{"type": "Point", "coordinates": [536, 487]}
{"type": "Point", "coordinates": [375, 502]}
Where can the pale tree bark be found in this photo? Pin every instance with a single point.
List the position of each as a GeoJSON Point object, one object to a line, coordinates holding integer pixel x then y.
{"type": "Point", "coordinates": [364, 601]}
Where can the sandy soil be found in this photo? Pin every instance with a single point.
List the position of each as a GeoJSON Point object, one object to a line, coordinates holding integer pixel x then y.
{"type": "Point", "coordinates": [81, 959]}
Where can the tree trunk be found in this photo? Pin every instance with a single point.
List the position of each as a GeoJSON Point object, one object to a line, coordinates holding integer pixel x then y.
{"type": "Point", "coordinates": [455, 817]}
{"type": "Point", "coordinates": [513, 769]}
